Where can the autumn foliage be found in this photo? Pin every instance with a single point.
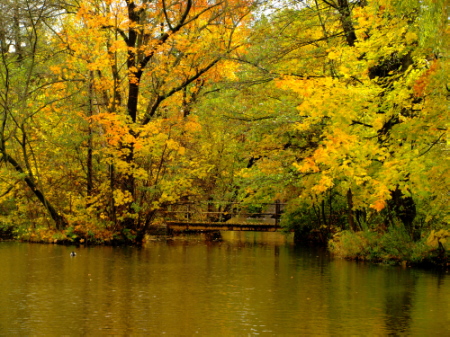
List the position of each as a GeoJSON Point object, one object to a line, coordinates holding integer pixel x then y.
{"type": "Point", "coordinates": [112, 111]}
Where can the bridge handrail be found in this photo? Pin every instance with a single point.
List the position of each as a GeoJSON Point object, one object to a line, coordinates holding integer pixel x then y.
{"type": "Point", "coordinates": [191, 212]}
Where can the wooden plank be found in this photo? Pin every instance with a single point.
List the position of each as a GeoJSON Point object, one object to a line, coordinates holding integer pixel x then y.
{"type": "Point", "coordinates": [215, 226]}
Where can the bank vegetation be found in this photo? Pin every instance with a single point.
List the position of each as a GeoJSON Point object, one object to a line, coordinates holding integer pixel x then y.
{"type": "Point", "coordinates": [112, 111]}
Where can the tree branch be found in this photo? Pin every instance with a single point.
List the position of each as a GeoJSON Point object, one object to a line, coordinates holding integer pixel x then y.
{"type": "Point", "coordinates": [151, 112]}
{"type": "Point", "coordinates": [432, 145]}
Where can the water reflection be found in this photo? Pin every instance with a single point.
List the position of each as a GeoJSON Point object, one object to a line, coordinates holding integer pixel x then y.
{"type": "Point", "coordinates": [399, 301]}
{"type": "Point", "coordinates": [245, 285]}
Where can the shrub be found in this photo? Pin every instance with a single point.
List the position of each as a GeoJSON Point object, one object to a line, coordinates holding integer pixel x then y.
{"type": "Point", "coordinates": [393, 246]}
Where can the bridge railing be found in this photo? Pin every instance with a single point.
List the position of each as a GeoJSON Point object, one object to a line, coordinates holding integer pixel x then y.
{"type": "Point", "coordinates": [226, 212]}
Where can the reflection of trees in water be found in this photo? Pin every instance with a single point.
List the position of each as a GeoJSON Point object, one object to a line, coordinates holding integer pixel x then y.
{"type": "Point", "coordinates": [399, 301]}
{"type": "Point", "coordinates": [441, 276]}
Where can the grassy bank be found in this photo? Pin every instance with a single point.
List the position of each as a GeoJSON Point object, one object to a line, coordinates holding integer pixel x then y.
{"type": "Point", "coordinates": [393, 247]}
{"type": "Point", "coordinates": [91, 234]}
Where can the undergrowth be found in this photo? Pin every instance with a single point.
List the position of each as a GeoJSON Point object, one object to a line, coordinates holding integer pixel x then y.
{"type": "Point", "coordinates": [394, 246]}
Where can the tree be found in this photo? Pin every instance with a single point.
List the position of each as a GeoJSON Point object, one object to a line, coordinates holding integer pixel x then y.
{"type": "Point", "coordinates": [362, 132]}
{"type": "Point", "coordinates": [24, 89]}
{"type": "Point", "coordinates": [376, 135]}
{"type": "Point", "coordinates": [146, 64]}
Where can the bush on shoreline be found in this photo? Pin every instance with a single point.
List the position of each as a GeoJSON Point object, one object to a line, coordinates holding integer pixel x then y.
{"type": "Point", "coordinates": [71, 235]}
{"type": "Point", "coordinates": [393, 247]}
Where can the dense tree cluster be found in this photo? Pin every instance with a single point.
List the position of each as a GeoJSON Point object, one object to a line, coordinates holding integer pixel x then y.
{"type": "Point", "coordinates": [113, 110]}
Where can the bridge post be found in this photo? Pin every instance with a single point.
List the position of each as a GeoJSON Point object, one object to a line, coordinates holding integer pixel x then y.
{"type": "Point", "coordinates": [277, 212]}
{"type": "Point", "coordinates": [188, 211]}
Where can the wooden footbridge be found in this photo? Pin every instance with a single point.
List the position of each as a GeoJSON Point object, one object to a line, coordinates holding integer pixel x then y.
{"type": "Point", "coordinates": [220, 216]}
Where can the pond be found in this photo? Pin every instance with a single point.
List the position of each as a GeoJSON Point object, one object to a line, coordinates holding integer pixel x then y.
{"type": "Point", "coordinates": [248, 284]}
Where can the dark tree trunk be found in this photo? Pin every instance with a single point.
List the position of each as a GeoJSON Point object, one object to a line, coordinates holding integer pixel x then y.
{"type": "Point", "coordinates": [345, 13]}
{"type": "Point", "coordinates": [112, 186]}
{"type": "Point", "coordinates": [140, 233]}
{"type": "Point", "coordinates": [350, 215]}
{"type": "Point", "coordinates": [89, 174]}
{"type": "Point", "coordinates": [324, 217]}
{"type": "Point", "coordinates": [346, 20]}
{"type": "Point", "coordinates": [404, 207]}
{"type": "Point", "coordinates": [60, 221]}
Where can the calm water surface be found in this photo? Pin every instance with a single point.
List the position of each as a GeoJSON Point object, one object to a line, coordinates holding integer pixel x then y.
{"type": "Point", "coordinates": [249, 284]}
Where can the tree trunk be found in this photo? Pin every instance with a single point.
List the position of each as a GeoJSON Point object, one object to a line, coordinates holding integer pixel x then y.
{"type": "Point", "coordinates": [351, 218]}
{"type": "Point", "coordinates": [405, 208]}
{"type": "Point", "coordinates": [324, 217]}
{"type": "Point", "coordinates": [60, 221]}
{"type": "Point", "coordinates": [89, 174]}
{"type": "Point", "coordinates": [346, 20]}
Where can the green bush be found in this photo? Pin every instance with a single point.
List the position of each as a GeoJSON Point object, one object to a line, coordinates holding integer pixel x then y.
{"type": "Point", "coordinates": [392, 247]}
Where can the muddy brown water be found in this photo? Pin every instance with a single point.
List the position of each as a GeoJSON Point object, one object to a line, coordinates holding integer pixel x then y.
{"type": "Point", "coordinates": [248, 284]}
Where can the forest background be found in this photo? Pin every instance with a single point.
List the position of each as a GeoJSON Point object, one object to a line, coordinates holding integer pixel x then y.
{"type": "Point", "coordinates": [113, 111]}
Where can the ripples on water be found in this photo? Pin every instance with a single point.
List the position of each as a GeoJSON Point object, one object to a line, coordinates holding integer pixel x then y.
{"type": "Point", "coordinates": [249, 284]}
